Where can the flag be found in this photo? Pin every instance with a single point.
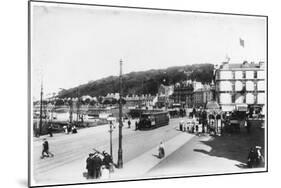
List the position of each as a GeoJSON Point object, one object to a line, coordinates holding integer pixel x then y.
{"type": "Point", "coordinates": [242, 42]}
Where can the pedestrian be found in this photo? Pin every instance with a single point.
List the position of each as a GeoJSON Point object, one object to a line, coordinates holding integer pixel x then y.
{"type": "Point", "coordinates": [136, 125]}
{"type": "Point", "coordinates": [196, 128]}
{"type": "Point", "coordinates": [69, 127]}
{"type": "Point", "coordinates": [107, 159]}
{"type": "Point", "coordinates": [93, 165]}
{"type": "Point", "coordinates": [97, 165]}
{"type": "Point", "coordinates": [248, 127]}
{"type": "Point", "coordinates": [90, 166]}
{"type": "Point", "coordinates": [251, 158]}
{"type": "Point", "coordinates": [184, 127]}
{"type": "Point", "coordinates": [129, 124]}
{"type": "Point", "coordinates": [74, 130]}
{"type": "Point", "coordinates": [180, 125]}
{"type": "Point", "coordinates": [161, 150]}
{"type": "Point", "coordinates": [45, 150]}
{"type": "Point", "coordinates": [260, 158]}
{"type": "Point", "coordinates": [50, 130]}
{"type": "Point", "coordinates": [65, 129]}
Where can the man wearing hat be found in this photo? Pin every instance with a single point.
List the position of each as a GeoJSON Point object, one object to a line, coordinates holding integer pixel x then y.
{"type": "Point", "coordinates": [90, 166]}
{"type": "Point", "coordinates": [45, 151]}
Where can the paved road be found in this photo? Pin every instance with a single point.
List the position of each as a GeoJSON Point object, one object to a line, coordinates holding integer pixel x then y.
{"type": "Point", "coordinates": [71, 150]}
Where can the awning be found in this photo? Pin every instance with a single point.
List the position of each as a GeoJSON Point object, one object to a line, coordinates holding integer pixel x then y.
{"type": "Point", "coordinates": [242, 107]}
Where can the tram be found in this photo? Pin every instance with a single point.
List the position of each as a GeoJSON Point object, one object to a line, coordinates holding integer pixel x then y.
{"type": "Point", "coordinates": [149, 120]}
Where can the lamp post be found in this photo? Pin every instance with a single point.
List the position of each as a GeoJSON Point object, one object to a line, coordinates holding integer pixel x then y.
{"type": "Point", "coordinates": [120, 159]}
{"type": "Point", "coordinates": [110, 132]}
{"type": "Point", "coordinates": [41, 110]}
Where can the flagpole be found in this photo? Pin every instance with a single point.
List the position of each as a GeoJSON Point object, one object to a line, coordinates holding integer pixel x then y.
{"type": "Point", "coordinates": [243, 51]}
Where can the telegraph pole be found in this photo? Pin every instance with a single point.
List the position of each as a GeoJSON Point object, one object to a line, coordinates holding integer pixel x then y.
{"type": "Point", "coordinates": [41, 106]}
{"type": "Point", "coordinates": [120, 159]}
{"type": "Point", "coordinates": [77, 106]}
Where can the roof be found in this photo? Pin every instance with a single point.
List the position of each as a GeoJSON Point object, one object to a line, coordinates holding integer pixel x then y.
{"type": "Point", "coordinates": [212, 105]}
{"type": "Point", "coordinates": [239, 65]}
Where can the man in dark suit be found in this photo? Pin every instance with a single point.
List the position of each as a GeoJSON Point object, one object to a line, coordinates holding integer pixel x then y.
{"type": "Point", "coordinates": [45, 151]}
{"type": "Point", "coordinates": [89, 166]}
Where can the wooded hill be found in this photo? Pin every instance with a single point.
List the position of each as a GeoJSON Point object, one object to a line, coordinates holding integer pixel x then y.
{"type": "Point", "coordinates": [143, 82]}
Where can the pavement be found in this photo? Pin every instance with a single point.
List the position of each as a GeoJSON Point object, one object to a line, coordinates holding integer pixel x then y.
{"type": "Point", "coordinates": [204, 155]}
{"type": "Point", "coordinates": [139, 166]}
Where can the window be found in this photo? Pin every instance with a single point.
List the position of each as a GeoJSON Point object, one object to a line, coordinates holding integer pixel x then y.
{"type": "Point", "coordinates": [255, 74]}
{"type": "Point", "coordinates": [226, 75]}
{"type": "Point", "coordinates": [255, 99]}
{"type": "Point", "coordinates": [238, 86]}
{"type": "Point", "coordinates": [249, 74]}
{"type": "Point", "coordinates": [250, 86]}
{"type": "Point", "coordinates": [261, 86]}
{"type": "Point", "coordinates": [238, 75]}
{"type": "Point", "coordinates": [249, 98]}
{"type": "Point", "coordinates": [233, 98]}
{"type": "Point", "coordinates": [244, 74]}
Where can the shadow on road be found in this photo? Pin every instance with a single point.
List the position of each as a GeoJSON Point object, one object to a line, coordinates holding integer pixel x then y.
{"type": "Point", "coordinates": [157, 156]}
{"type": "Point", "coordinates": [234, 146]}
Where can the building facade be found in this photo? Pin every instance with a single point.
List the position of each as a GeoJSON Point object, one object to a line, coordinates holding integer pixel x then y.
{"type": "Point", "coordinates": [237, 84]}
{"type": "Point", "coordinates": [202, 96]}
{"type": "Point", "coordinates": [164, 96]}
{"type": "Point", "coordinates": [183, 94]}
{"type": "Point", "coordinates": [139, 101]}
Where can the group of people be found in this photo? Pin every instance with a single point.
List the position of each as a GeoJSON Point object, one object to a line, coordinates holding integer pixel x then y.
{"type": "Point", "coordinates": [99, 165]}
{"type": "Point", "coordinates": [191, 127]}
{"type": "Point", "coordinates": [70, 129]}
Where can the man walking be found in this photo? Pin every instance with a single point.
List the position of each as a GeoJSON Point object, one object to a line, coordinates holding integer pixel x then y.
{"type": "Point", "coordinates": [45, 151]}
{"type": "Point", "coordinates": [129, 124]}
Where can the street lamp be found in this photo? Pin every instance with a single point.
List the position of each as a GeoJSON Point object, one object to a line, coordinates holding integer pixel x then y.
{"type": "Point", "coordinates": [110, 132]}
{"type": "Point", "coordinates": [120, 159]}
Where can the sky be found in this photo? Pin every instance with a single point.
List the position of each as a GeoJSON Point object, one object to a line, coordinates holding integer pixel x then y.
{"type": "Point", "coordinates": [75, 44]}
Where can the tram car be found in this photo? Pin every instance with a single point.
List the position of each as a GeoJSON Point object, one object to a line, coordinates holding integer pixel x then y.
{"type": "Point", "coordinates": [150, 120]}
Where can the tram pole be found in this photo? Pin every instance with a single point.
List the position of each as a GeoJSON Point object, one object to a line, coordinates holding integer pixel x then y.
{"type": "Point", "coordinates": [41, 110]}
{"type": "Point", "coordinates": [120, 158]}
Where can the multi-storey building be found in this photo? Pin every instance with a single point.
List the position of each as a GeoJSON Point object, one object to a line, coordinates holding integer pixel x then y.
{"type": "Point", "coordinates": [183, 94]}
{"type": "Point", "coordinates": [141, 100]}
{"type": "Point", "coordinates": [164, 93]}
{"type": "Point", "coordinates": [237, 84]}
{"type": "Point", "coordinates": [202, 96]}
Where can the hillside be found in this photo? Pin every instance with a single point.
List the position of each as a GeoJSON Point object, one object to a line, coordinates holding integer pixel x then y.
{"type": "Point", "coordinates": [143, 82]}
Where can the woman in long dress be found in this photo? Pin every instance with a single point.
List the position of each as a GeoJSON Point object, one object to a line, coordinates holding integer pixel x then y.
{"type": "Point", "coordinates": [161, 150]}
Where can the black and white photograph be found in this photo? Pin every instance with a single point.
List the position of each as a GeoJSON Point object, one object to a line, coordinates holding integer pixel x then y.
{"type": "Point", "coordinates": [119, 93]}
